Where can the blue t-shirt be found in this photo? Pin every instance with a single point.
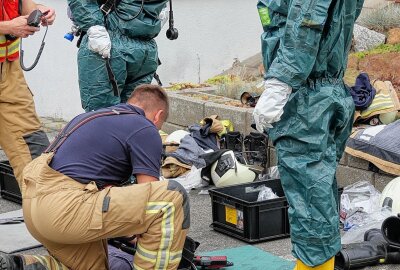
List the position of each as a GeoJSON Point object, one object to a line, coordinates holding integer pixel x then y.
{"type": "Point", "coordinates": [109, 149]}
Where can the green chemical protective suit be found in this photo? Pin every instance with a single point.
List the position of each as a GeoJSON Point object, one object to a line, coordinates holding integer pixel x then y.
{"type": "Point", "coordinates": [134, 57]}
{"type": "Point", "coordinates": [305, 44]}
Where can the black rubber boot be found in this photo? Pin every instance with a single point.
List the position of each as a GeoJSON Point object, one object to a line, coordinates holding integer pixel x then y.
{"type": "Point", "coordinates": [374, 250]}
{"type": "Point", "coordinates": [233, 140]}
{"type": "Point", "coordinates": [10, 262]}
{"type": "Point", "coordinates": [256, 148]}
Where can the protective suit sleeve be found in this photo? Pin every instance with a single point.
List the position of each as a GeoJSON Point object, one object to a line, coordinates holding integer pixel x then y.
{"type": "Point", "coordinates": [299, 43]}
{"type": "Point", "coordinates": [86, 13]}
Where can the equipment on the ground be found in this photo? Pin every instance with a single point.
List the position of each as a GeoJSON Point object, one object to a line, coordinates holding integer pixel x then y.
{"type": "Point", "coordinates": [211, 262]}
{"type": "Point", "coordinates": [374, 250]}
{"type": "Point", "coordinates": [228, 171]}
{"type": "Point", "coordinates": [256, 149]}
{"type": "Point", "coordinates": [188, 262]}
{"type": "Point", "coordinates": [390, 195]}
{"type": "Point", "coordinates": [391, 230]}
{"type": "Point", "coordinates": [34, 20]}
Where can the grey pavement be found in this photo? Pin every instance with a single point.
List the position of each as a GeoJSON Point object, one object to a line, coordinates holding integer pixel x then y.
{"type": "Point", "coordinates": [201, 217]}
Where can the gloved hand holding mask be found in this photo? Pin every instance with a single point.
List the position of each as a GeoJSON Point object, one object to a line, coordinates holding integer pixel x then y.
{"type": "Point", "coordinates": [269, 108]}
{"type": "Point", "coordinates": [99, 40]}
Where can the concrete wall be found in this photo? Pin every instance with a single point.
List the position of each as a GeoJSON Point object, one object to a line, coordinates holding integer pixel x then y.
{"type": "Point", "coordinates": [211, 34]}
{"type": "Point", "coordinates": [368, 4]}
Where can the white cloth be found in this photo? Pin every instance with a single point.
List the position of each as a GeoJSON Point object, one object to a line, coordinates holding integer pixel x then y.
{"type": "Point", "coordinates": [99, 40]}
{"type": "Point", "coordinates": [269, 108]}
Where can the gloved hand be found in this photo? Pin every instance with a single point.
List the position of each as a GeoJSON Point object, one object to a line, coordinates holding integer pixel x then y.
{"type": "Point", "coordinates": [269, 108]}
{"type": "Point", "coordinates": [164, 16]}
{"type": "Point", "coordinates": [99, 40]}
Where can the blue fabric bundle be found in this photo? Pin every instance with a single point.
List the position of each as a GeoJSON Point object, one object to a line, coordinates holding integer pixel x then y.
{"type": "Point", "coordinates": [362, 92]}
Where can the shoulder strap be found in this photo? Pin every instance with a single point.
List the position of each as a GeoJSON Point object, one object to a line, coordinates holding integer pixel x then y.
{"type": "Point", "coordinates": [19, 7]}
{"type": "Point", "coordinates": [70, 128]}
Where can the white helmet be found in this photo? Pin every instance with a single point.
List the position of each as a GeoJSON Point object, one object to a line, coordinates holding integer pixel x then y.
{"type": "Point", "coordinates": [227, 171]}
{"type": "Point", "coordinates": [390, 195]}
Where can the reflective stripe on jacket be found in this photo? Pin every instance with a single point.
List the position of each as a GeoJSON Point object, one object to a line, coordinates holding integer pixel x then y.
{"type": "Point", "coordinates": [9, 49]}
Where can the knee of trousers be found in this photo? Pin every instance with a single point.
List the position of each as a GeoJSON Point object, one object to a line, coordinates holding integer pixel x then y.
{"type": "Point", "coordinates": [37, 142]}
{"type": "Point", "coordinates": [175, 186]}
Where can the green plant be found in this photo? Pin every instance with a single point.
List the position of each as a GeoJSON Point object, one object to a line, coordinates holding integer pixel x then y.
{"type": "Point", "coordinates": [384, 48]}
{"type": "Point", "coordinates": [382, 19]}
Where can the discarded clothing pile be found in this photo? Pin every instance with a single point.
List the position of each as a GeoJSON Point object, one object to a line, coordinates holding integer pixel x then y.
{"type": "Point", "coordinates": [212, 153]}
{"type": "Point", "coordinates": [376, 124]}
{"type": "Point", "coordinates": [376, 103]}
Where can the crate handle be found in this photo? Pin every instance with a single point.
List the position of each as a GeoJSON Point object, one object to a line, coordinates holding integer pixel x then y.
{"type": "Point", "coordinates": [229, 203]}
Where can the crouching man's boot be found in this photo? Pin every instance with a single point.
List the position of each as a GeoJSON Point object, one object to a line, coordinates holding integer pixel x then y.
{"type": "Point", "coordinates": [30, 262]}
{"type": "Point", "coordinates": [328, 265]}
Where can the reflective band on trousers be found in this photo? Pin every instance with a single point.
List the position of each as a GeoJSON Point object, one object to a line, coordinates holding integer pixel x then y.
{"type": "Point", "coordinates": [163, 256]}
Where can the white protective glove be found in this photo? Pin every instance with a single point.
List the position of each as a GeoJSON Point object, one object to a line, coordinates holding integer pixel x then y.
{"type": "Point", "coordinates": [269, 108]}
{"type": "Point", "coordinates": [99, 40]}
{"type": "Point", "coordinates": [164, 16]}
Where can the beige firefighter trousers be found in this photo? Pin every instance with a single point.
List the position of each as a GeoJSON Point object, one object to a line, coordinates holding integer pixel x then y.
{"type": "Point", "coordinates": [20, 134]}
{"type": "Point", "coordinates": [73, 220]}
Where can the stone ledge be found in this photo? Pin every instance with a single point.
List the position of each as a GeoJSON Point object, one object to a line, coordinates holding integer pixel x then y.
{"type": "Point", "coordinates": [169, 127]}
{"type": "Point", "coordinates": [382, 179]}
{"type": "Point", "coordinates": [238, 116]}
{"type": "Point", "coordinates": [356, 162]}
{"type": "Point", "coordinates": [185, 110]}
{"type": "Point", "coordinates": [347, 175]}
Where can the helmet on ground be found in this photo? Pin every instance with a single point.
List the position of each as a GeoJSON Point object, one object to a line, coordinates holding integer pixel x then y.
{"type": "Point", "coordinates": [228, 171]}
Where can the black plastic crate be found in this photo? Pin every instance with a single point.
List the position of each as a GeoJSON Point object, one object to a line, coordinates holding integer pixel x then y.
{"type": "Point", "coordinates": [237, 212]}
{"type": "Point", "coordinates": [9, 189]}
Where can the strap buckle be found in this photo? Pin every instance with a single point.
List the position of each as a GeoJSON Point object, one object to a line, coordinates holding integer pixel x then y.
{"type": "Point", "coordinates": [107, 7]}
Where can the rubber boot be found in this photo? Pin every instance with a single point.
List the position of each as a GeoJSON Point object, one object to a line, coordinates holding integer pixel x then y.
{"type": "Point", "coordinates": [255, 145]}
{"type": "Point", "coordinates": [30, 262]}
{"type": "Point", "coordinates": [233, 140]}
{"type": "Point", "coordinates": [328, 265]}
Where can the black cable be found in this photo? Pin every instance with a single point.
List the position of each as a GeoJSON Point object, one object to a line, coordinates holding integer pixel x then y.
{"type": "Point", "coordinates": [129, 19]}
{"type": "Point", "coordinates": [21, 58]}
